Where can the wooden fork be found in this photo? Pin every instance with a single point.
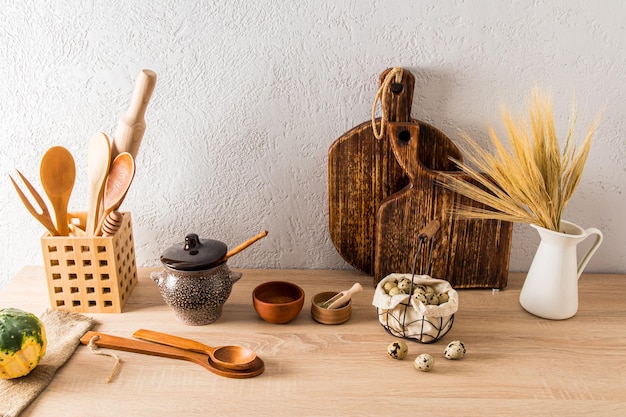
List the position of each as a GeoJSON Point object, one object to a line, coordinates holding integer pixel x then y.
{"type": "Point", "coordinates": [43, 216]}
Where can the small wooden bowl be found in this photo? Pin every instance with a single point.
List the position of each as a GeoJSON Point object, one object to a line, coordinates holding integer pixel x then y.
{"type": "Point", "coordinates": [329, 316]}
{"type": "Point", "coordinates": [278, 302]}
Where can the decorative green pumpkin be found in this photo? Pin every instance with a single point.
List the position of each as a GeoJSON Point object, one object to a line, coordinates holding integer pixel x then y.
{"type": "Point", "coordinates": [22, 342]}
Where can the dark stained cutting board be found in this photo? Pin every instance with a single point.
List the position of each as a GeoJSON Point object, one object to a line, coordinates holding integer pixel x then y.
{"type": "Point", "coordinates": [363, 171]}
{"type": "Point", "coordinates": [467, 253]}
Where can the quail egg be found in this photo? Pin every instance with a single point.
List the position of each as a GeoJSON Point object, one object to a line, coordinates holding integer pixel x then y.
{"type": "Point", "coordinates": [388, 286]}
{"type": "Point", "coordinates": [395, 291]}
{"type": "Point", "coordinates": [454, 350]}
{"type": "Point", "coordinates": [443, 297]}
{"type": "Point", "coordinates": [421, 298]}
{"type": "Point", "coordinates": [405, 285]}
{"type": "Point", "coordinates": [432, 299]}
{"type": "Point", "coordinates": [398, 349]}
{"type": "Point", "coordinates": [424, 362]}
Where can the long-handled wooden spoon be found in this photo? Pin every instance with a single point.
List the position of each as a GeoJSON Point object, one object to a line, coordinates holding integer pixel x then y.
{"type": "Point", "coordinates": [234, 251]}
{"type": "Point", "coordinates": [98, 161]}
{"type": "Point", "coordinates": [118, 181]}
{"type": "Point", "coordinates": [138, 346]}
{"type": "Point", "coordinates": [58, 173]}
{"type": "Point", "coordinates": [229, 357]}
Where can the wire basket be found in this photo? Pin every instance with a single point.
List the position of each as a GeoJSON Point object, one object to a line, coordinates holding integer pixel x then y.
{"type": "Point", "coordinates": [409, 316]}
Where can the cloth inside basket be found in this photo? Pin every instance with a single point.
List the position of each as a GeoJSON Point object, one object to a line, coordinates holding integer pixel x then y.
{"type": "Point", "coordinates": [405, 316]}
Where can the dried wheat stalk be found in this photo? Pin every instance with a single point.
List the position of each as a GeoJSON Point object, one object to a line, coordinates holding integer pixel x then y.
{"type": "Point", "coordinates": [530, 183]}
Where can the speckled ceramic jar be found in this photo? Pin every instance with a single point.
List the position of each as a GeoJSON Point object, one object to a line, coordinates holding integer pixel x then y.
{"type": "Point", "coordinates": [196, 295]}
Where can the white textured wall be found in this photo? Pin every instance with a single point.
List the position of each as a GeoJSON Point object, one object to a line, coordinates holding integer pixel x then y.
{"type": "Point", "coordinates": [251, 94]}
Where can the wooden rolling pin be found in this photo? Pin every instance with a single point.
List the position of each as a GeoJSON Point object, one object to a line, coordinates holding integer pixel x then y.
{"type": "Point", "coordinates": [131, 126]}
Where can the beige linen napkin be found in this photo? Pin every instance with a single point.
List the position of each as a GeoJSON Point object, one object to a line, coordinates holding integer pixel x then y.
{"type": "Point", "coordinates": [63, 332]}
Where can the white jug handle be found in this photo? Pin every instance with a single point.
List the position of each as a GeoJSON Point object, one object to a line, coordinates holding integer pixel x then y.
{"type": "Point", "coordinates": [592, 250]}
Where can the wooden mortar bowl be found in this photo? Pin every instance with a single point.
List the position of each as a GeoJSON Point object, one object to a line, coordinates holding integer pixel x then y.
{"type": "Point", "coordinates": [278, 302]}
{"type": "Point", "coordinates": [329, 316]}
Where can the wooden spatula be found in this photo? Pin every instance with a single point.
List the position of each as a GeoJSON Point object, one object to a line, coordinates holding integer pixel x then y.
{"type": "Point", "coordinates": [98, 159]}
{"type": "Point", "coordinates": [58, 173]}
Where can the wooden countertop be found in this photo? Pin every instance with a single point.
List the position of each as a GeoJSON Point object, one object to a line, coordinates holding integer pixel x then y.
{"type": "Point", "coordinates": [516, 364]}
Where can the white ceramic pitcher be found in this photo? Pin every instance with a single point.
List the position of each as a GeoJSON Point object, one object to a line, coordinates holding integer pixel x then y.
{"type": "Point", "coordinates": [551, 286]}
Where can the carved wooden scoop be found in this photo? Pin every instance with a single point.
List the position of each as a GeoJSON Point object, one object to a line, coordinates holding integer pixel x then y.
{"type": "Point", "coordinates": [137, 346]}
{"type": "Point", "coordinates": [230, 357]}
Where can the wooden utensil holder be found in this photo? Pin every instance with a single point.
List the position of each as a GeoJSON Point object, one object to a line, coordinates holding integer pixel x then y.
{"type": "Point", "coordinates": [90, 274]}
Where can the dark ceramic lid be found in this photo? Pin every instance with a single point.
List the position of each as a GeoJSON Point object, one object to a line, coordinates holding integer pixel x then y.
{"type": "Point", "coordinates": [194, 254]}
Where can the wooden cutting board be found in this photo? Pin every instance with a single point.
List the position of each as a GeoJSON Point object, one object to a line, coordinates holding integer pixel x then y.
{"type": "Point", "coordinates": [467, 253]}
{"type": "Point", "coordinates": [363, 171]}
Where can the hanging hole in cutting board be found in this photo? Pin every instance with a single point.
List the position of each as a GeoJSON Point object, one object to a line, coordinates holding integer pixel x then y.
{"type": "Point", "coordinates": [396, 88]}
{"type": "Point", "coordinates": [404, 136]}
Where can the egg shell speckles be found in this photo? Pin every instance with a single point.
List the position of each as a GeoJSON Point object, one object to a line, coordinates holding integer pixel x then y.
{"type": "Point", "coordinates": [421, 298]}
{"type": "Point", "coordinates": [405, 285]}
{"type": "Point", "coordinates": [424, 362]}
{"type": "Point", "coordinates": [398, 349]}
{"type": "Point", "coordinates": [455, 350]}
{"type": "Point", "coordinates": [432, 299]}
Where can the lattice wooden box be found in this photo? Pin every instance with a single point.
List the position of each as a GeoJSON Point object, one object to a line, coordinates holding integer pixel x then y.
{"type": "Point", "coordinates": [90, 274]}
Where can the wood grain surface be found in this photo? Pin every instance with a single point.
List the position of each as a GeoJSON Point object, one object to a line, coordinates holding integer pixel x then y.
{"type": "Point", "coordinates": [516, 364]}
{"type": "Point", "coordinates": [363, 171]}
{"type": "Point", "coordinates": [467, 253]}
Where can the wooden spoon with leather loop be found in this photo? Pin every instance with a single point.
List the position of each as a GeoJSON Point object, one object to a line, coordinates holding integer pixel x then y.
{"type": "Point", "coordinates": [229, 357]}
{"type": "Point", "coordinates": [137, 346]}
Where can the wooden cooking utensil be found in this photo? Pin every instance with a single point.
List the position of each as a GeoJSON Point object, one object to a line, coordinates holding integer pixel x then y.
{"type": "Point", "coordinates": [121, 174]}
{"type": "Point", "coordinates": [342, 297]}
{"type": "Point", "coordinates": [132, 126]}
{"type": "Point", "coordinates": [363, 171]}
{"type": "Point", "coordinates": [43, 216]}
{"type": "Point", "coordinates": [234, 251]}
{"type": "Point", "coordinates": [112, 223]}
{"type": "Point", "coordinates": [468, 254]}
{"type": "Point", "coordinates": [138, 346]}
{"type": "Point", "coordinates": [98, 161]}
{"type": "Point", "coordinates": [229, 357]}
{"type": "Point", "coordinates": [58, 173]}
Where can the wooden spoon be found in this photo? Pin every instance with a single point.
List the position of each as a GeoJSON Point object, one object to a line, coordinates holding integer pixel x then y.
{"type": "Point", "coordinates": [138, 346]}
{"type": "Point", "coordinates": [229, 357]}
{"type": "Point", "coordinates": [58, 173]}
{"type": "Point", "coordinates": [118, 181]}
{"type": "Point", "coordinates": [98, 160]}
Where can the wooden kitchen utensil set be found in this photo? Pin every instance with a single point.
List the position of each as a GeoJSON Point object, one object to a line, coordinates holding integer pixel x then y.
{"type": "Point", "coordinates": [89, 256]}
{"type": "Point", "coordinates": [111, 169]}
{"type": "Point", "coordinates": [385, 186]}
